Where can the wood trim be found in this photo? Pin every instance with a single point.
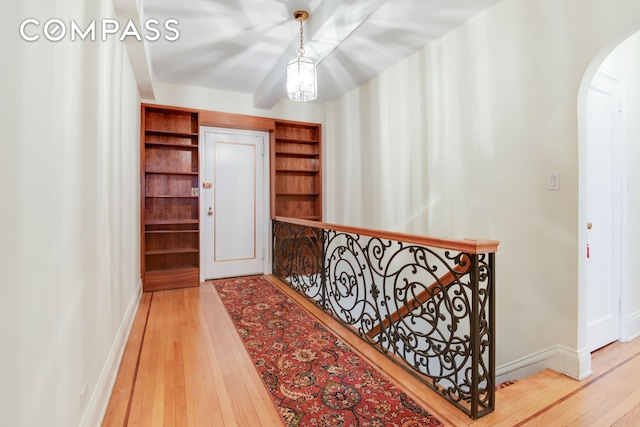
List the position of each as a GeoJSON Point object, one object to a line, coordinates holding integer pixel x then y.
{"type": "Point", "coordinates": [143, 193]}
{"type": "Point", "coordinates": [236, 121]}
{"type": "Point", "coordinates": [232, 120]}
{"type": "Point", "coordinates": [296, 123]}
{"type": "Point", "coordinates": [272, 174]}
{"type": "Point", "coordinates": [320, 177]}
{"type": "Point", "coordinates": [168, 107]}
{"type": "Point", "coordinates": [117, 412]}
{"type": "Point", "coordinates": [470, 246]}
{"type": "Point", "coordinates": [171, 279]}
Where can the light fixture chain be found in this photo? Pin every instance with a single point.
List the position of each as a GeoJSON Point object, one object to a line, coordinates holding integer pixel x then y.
{"type": "Point", "coordinates": [301, 49]}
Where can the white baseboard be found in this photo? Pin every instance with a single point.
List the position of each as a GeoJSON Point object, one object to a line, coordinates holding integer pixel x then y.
{"type": "Point", "coordinates": [99, 400]}
{"type": "Point", "coordinates": [575, 364]}
{"type": "Point", "coordinates": [632, 327]}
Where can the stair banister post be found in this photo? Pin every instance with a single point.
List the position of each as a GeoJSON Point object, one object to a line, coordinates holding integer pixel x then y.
{"type": "Point", "coordinates": [475, 332]}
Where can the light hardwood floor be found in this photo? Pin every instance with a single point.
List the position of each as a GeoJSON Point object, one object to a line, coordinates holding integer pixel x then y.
{"type": "Point", "coordinates": [185, 365]}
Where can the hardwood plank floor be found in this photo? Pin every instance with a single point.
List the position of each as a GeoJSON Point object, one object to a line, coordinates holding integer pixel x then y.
{"type": "Point", "coordinates": [185, 365]}
{"type": "Point", "coordinates": [193, 368]}
{"type": "Point", "coordinates": [608, 397]}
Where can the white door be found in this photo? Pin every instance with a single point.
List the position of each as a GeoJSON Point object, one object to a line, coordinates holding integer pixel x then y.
{"type": "Point", "coordinates": [603, 228]}
{"type": "Point", "coordinates": [233, 208]}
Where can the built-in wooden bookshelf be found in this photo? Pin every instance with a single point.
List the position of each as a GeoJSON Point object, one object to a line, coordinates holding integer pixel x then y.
{"type": "Point", "coordinates": [297, 170]}
{"type": "Point", "coordinates": [169, 184]}
{"type": "Point", "coordinates": [170, 225]}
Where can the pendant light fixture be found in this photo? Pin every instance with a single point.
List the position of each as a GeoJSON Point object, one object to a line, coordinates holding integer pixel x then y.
{"type": "Point", "coordinates": [302, 84]}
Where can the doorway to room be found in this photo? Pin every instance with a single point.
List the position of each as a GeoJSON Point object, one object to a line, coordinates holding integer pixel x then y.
{"type": "Point", "coordinates": [609, 240]}
{"type": "Point", "coordinates": [605, 225]}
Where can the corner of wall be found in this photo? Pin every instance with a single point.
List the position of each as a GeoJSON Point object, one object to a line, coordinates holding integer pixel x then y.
{"type": "Point", "coordinates": [138, 51]}
{"type": "Point", "coordinates": [572, 363]}
{"type": "Point", "coordinates": [632, 327]}
{"type": "Point", "coordinates": [99, 401]}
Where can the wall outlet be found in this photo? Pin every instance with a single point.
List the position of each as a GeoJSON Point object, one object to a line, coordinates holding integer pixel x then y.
{"type": "Point", "coordinates": [83, 394]}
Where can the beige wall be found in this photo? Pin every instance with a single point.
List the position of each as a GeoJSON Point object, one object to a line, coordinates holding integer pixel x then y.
{"type": "Point", "coordinates": [457, 141]}
{"type": "Point", "coordinates": [69, 224]}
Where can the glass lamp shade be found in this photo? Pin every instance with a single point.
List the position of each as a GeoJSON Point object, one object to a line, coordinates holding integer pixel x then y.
{"type": "Point", "coordinates": [302, 84]}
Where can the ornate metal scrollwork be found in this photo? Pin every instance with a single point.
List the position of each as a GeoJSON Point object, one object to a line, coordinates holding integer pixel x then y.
{"type": "Point", "coordinates": [298, 258]}
{"type": "Point", "coordinates": [431, 308]}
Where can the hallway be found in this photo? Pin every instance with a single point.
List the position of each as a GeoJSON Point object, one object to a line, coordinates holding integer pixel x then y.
{"type": "Point", "coordinates": [193, 371]}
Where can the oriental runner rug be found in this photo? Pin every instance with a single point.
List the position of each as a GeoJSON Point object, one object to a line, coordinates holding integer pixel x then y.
{"type": "Point", "coordinates": [313, 377]}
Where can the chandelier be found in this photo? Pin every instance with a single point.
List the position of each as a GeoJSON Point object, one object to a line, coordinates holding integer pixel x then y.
{"type": "Point", "coordinates": [302, 84]}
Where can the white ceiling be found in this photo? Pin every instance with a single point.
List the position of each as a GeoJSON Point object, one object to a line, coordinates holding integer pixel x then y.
{"type": "Point", "coordinates": [244, 45]}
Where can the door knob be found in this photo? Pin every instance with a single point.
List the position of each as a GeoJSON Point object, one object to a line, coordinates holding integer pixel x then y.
{"type": "Point", "coordinates": [589, 225]}
{"type": "Point", "coordinates": [210, 211]}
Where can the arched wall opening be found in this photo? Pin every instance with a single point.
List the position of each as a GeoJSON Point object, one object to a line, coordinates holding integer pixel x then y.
{"type": "Point", "coordinates": [630, 289]}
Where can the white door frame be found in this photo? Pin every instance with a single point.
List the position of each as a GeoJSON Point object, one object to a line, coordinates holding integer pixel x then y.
{"type": "Point", "coordinates": [584, 355]}
{"type": "Point", "coordinates": [265, 192]}
{"type": "Point", "coordinates": [609, 85]}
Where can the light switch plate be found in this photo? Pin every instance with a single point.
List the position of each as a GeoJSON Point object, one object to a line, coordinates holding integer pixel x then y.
{"type": "Point", "coordinates": [553, 181]}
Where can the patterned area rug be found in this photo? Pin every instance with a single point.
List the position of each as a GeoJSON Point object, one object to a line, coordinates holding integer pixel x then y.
{"type": "Point", "coordinates": [313, 377]}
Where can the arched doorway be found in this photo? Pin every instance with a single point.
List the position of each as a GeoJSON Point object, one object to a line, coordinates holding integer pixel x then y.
{"type": "Point", "coordinates": [625, 183]}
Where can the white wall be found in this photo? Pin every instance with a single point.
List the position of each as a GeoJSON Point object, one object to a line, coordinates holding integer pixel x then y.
{"type": "Point", "coordinates": [624, 61]}
{"type": "Point", "coordinates": [457, 141]}
{"type": "Point", "coordinates": [69, 223]}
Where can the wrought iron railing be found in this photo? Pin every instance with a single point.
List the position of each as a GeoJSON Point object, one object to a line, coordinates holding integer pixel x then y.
{"type": "Point", "coordinates": [428, 304]}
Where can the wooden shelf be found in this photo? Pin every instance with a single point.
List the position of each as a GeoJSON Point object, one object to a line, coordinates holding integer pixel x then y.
{"type": "Point", "coordinates": [298, 141]}
{"type": "Point", "coordinates": [170, 231]}
{"type": "Point", "coordinates": [170, 235]}
{"type": "Point", "coordinates": [171, 133]}
{"type": "Point", "coordinates": [297, 170]}
{"type": "Point", "coordinates": [301, 155]}
{"type": "Point", "coordinates": [172, 146]}
{"type": "Point", "coordinates": [183, 269]}
{"type": "Point", "coordinates": [171, 173]}
{"type": "Point", "coordinates": [172, 251]}
{"type": "Point", "coordinates": [172, 222]}
{"type": "Point", "coordinates": [172, 197]}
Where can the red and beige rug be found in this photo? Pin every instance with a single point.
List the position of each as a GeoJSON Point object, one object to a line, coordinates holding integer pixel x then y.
{"type": "Point", "coordinates": [313, 377]}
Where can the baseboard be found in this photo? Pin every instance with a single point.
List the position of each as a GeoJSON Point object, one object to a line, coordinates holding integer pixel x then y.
{"type": "Point", "coordinates": [575, 364]}
{"type": "Point", "coordinates": [632, 327]}
{"type": "Point", "coordinates": [97, 405]}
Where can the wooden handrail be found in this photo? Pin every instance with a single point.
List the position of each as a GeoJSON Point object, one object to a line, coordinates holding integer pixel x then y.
{"type": "Point", "coordinates": [432, 290]}
{"type": "Point", "coordinates": [470, 246]}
